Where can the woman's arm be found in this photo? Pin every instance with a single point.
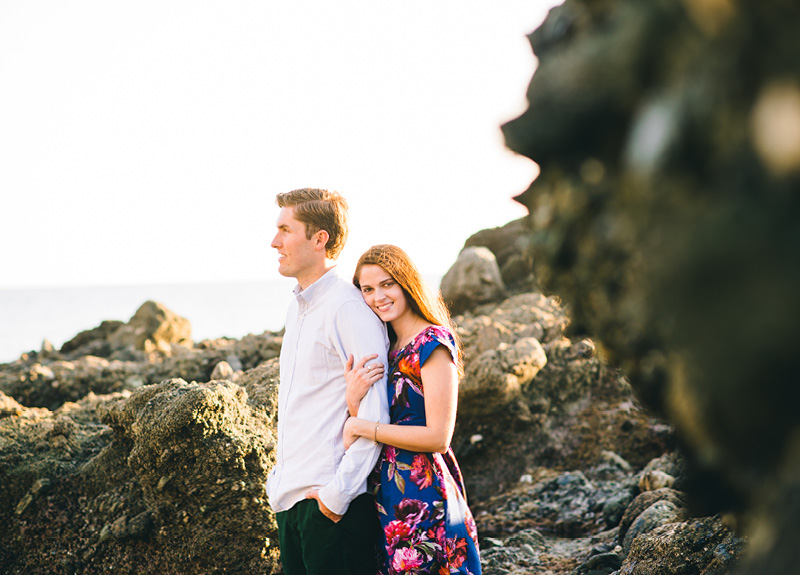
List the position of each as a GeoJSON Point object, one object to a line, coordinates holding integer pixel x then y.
{"type": "Point", "coordinates": [440, 382]}
{"type": "Point", "coordinates": [359, 379]}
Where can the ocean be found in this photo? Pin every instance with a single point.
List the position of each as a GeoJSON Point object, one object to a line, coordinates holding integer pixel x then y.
{"type": "Point", "coordinates": [28, 317]}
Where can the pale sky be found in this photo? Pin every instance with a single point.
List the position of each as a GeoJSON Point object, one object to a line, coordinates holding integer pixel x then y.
{"type": "Point", "coordinates": [144, 142]}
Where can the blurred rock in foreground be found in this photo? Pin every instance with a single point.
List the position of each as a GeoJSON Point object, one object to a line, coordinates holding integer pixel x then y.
{"type": "Point", "coordinates": [667, 216]}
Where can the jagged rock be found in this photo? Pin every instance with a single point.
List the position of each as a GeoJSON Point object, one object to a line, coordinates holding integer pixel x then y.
{"type": "Point", "coordinates": [93, 341]}
{"type": "Point", "coordinates": [222, 370]}
{"type": "Point", "coordinates": [37, 449]}
{"type": "Point", "coordinates": [496, 378]}
{"type": "Point", "coordinates": [550, 418]}
{"type": "Point", "coordinates": [261, 384]}
{"type": "Point", "coordinates": [473, 279]}
{"type": "Point", "coordinates": [100, 488]}
{"type": "Point", "coordinates": [214, 451]}
{"type": "Point", "coordinates": [696, 546]}
{"type": "Point", "coordinates": [510, 245]}
{"type": "Point", "coordinates": [645, 500]}
{"type": "Point", "coordinates": [506, 365]}
{"type": "Point", "coordinates": [659, 513]}
{"type": "Point", "coordinates": [153, 326]}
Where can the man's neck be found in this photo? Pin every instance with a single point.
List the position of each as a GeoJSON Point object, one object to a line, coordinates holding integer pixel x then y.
{"type": "Point", "coordinates": [315, 274]}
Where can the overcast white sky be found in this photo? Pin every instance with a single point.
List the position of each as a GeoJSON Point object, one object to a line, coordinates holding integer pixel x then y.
{"type": "Point", "coordinates": [144, 142]}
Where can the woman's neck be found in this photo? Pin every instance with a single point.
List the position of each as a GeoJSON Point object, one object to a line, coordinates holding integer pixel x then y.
{"type": "Point", "coordinates": [406, 328]}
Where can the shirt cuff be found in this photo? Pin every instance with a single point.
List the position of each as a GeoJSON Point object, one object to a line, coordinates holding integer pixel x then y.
{"type": "Point", "coordinates": [334, 499]}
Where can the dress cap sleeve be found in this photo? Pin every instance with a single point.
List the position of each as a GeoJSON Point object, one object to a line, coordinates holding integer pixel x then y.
{"type": "Point", "coordinates": [432, 338]}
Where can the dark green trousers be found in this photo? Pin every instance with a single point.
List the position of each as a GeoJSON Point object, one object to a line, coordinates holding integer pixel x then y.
{"type": "Point", "coordinates": [312, 544]}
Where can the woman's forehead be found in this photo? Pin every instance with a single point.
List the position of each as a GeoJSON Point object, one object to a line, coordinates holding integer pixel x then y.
{"type": "Point", "coordinates": [372, 273]}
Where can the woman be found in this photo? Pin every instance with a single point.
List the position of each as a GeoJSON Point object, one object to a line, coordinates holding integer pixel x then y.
{"type": "Point", "coordinates": [419, 489]}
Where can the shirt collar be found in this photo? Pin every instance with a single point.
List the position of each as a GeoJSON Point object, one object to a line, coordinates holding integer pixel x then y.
{"type": "Point", "coordinates": [317, 288]}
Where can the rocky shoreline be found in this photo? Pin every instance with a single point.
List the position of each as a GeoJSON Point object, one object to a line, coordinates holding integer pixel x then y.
{"type": "Point", "coordinates": [135, 449]}
{"type": "Point", "coordinates": [646, 424]}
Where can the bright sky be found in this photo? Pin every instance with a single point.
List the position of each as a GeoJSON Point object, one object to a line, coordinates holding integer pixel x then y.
{"type": "Point", "coordinates": [144, 141]}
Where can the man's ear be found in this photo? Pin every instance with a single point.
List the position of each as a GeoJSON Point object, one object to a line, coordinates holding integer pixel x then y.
{"type": "Point", "coordinates": [322, 239]}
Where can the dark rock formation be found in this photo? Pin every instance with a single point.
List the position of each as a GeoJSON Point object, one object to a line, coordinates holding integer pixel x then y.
{"type": "Point", "coordinates": [666, 215]}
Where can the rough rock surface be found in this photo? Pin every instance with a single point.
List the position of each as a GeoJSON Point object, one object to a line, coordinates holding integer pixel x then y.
{"type": "Point", "coordinates": [530, 394]}
{"type": "Point", "coordinates": [511, 247]}
{"type": "Point", "coordinates": [153, 326]}
{"type": "Point", "coordinates": [473, 279]}
{"type": "Point", "coordinates": [167, 479]}
{"type": "Point", "coordinates": [698, 546]}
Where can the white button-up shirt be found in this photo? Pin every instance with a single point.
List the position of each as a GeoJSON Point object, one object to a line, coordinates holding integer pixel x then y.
{"type": "Point", "coordinates": [327, 322]}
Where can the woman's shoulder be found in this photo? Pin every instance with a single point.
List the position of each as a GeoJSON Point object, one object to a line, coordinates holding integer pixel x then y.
{"type": "Point", "coordinates": [432, 337]}
{"type": "Point", "coordinates": [435, 332]}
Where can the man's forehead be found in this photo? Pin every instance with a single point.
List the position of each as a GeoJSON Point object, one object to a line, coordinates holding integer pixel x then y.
{"type": "Point", "coordinates": [286, 218]}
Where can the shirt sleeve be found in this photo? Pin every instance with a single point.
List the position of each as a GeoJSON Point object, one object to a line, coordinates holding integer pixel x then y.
{"type": "Point", "coordinates": [359, 332]}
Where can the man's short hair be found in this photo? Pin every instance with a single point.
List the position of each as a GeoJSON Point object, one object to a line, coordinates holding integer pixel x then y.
{"type": "Point", "coordinates": [319, 210]}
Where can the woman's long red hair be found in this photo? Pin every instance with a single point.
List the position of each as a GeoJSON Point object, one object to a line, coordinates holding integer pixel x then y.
{"type": "Point", "coordinates": [421, 300]}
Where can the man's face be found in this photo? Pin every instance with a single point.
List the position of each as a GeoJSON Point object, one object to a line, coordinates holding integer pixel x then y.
{"type": "Point", "coordinates": [298, 257]}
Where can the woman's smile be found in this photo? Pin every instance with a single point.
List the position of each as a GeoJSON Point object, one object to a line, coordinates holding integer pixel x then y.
{"type": "Point", "coordinates": [382, 293]}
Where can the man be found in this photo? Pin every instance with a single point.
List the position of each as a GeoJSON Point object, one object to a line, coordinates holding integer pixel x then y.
{"type": "Point", "coordinates": [327, 522]}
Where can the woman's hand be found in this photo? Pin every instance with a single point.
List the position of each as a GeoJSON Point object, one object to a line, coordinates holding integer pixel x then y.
{"type": "Point", "coordinates": [359, 379]}
{"type": "Point", "coordinates": [350, 433]}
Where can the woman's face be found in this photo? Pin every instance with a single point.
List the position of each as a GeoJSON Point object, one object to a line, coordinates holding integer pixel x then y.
{"type": "Point", "coordinates": [382, 293]}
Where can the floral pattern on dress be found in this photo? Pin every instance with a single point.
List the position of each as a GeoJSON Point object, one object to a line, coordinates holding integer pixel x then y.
{"type": "Point", "coordinates": [420, 497]}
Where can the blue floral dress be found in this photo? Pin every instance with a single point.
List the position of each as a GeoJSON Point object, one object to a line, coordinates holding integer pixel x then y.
{"type": "Point", "coordinates": [420, 497]}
